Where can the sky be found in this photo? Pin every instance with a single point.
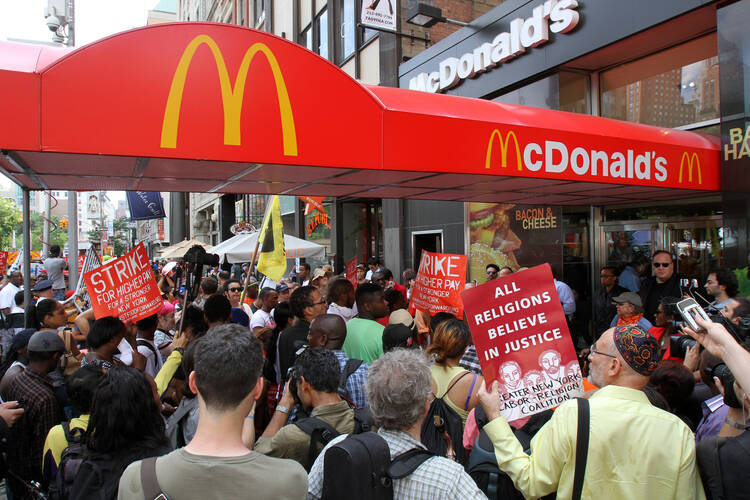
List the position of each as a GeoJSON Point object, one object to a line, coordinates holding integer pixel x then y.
{"type": "Point", "coordinates": [94, 19]}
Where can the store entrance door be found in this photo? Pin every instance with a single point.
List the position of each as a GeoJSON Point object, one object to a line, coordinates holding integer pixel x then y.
{"type": "Point", "coordinates": [696, 243]}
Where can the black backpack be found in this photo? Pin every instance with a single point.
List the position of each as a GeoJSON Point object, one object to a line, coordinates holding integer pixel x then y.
{"type": "Point", "coordinates": [352, 365]}
{"type": "Point", "coordinates": [443, 429]}
{"type": "Point", "coordinates": [362, 463]}
{"type": "Point", "coordinates": [70, 462]}
{"type": "Point", "coordinates": [322, 433]}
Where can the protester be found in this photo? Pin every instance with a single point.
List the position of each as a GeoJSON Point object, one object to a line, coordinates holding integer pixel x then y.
{"type": "Point", "coordinates": [209, 286]}
{"type": "Point", "coordinates": [373, 265]}
{"type": "Point", "coordinates": [721, 284]}
{"type": "Point", "coordinates": [384, 278]}
{"type": "Point", "coordinates": [456, 386]}
{"type": "Point", "coordinates": [306, 304]}
{"type": "Point", "coordinates": [284, 292]}
{"type": "Point", "coordinates": [491, 270]}
{"type": "Point", "coordinates": [737, 308]}
{"type": "Point", "coordinates": [361, 274]}
{"type": "Point", "coordinates": [222, 277]}
{"type": "Point", "coordinates": [364, 335]}
{"type": "Point", "coordinates": [14, 285]}
{"type": "Point", "coordinates": [398, 337]}
{"type": "Point", "coordinates": [713, 410]}
{"type": "Point", "coordinates": [675, 382]}
{"type": "Point", "coordinates": [167, 324]}
{"type": "Point", "coordinates": [603, 308]}
{"type": "Point", "coordinates": [341, 299]}
{"type": "Point", "coordinates": [329, 331]}
{"type": "Point", "coordinates": [505, 271]}
{"type": "Point", "coordinates": [410, 277]}
{"type": "Point", "coordinates": [304, 274]}
{"type": "Point", "coordinates": [51, 315]}
{"type": "Point", "coordinates": [217, 463]}
{"type": "Point", "coordinates": [80, 387]}
{"type": "Point", "coordinates": [33, 390]}
{"type": "Point", "coordinates": [146, 346]}
{"type": "Point", "coordinates": [398, 395]}
{"type": "Point", "coordinates": [665, 282]}
{"type": "Point", "coordinates": [320, 281]}
{"type": "Point", "coordinates": [54, 266]}
{"type": "Point", "coordinates": [629, 311]}
{"type": "Point", "coordinates": [233, 292]}
{"type": "Point", "coordinates": [182, 424]}
{"type": "Point", "coordinates": [103, 340]}
{"type": "Point", "coordinates": [217, 310]}
{"type": "Point", "coordinates": [16, 360]}
{"type": "Point", "coordinates": [262, 323]}
{"type": "Point", "coordinates": [635, 450]}
{"type": "Point", "coordinates": [315, 375]}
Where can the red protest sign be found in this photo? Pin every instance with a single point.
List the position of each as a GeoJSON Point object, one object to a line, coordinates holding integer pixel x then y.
{"type": "Point", "coordinates": [522, 341]}
{"type": "Point", "coordinates": [124, 287]}
{"type": "Point", "coordinates": [440, 279]}
{"type": "Point", "coordinates": [3, 263]}
{"type": "Point", "coordinates": [351, 271]}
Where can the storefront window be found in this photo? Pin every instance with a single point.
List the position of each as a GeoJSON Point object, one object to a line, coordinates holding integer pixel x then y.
{"type": "Point", "coordinates": [348, 29]}
{"type": "Point", "coordinates": [319, 212]}
{"type": "Point", "coordinates": [673, 88]}
{"type": "Point", "coordinates": [564, 91]}
{"type": "Point", "coordinates": [321, 32]}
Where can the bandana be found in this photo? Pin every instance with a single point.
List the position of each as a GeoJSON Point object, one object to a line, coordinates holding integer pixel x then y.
{"type": "Point", "coordinates": [630, 320]}
{"type": "Point", "coordinates": [639, 349]}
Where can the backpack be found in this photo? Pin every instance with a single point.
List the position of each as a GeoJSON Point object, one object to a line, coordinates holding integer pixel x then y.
{"type": "Point", "coordinates": [443, 429]}
{"type": "Point", "coordinates": [496, 484]}
{"type": "Point", "coordinates": [322, 433]}
{"type": "Point", "coordinates": [362, 463]}
{"type": "Point", "coordinates": [157, 354]}
{"type": "Point", "coordinates": [175, 422]}
{"type": "Point", "coordinates": [722, 463]}
{"type": "Point", "coordinates": [352, 365]}
{"type": "Point", "coordinates": [70, 461]}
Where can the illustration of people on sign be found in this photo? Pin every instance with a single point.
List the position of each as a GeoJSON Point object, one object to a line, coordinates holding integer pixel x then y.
{"type": "Point", "coordinates": [552, 372]}
{"type": "Point", "coordinates": [532, 379]}
{"type": "Point", "coordinates": [512, 382]}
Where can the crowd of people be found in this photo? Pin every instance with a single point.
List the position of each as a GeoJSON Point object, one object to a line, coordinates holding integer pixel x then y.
{"type": "Point", "coordinates": [272, 390]}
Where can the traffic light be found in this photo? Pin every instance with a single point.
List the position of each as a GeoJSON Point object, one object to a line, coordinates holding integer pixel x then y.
{"type": "Point", "coordinates": [63, 223]}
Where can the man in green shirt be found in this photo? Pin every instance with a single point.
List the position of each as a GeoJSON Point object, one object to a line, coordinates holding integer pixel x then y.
{"type": "Point", "coordinates": [364, 335]}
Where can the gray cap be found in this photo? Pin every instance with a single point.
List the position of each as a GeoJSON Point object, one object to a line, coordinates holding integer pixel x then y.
{"type": "Point", "coordinates": [42, 286]}
{"type": "Point", "coordinates": [630, 297]}
{"type": "Point", "coordinates": [46, 341]}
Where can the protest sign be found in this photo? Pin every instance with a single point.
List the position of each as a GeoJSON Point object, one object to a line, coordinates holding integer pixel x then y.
{"type": "Point", "coordinates": [440, 279]}
{"type": "Point", "coordinates": [124, 287]}
{"type": "Point", "coordinates": [522, 341]}
{"type": "Point", "coordinates": [3, 263]}
{"type": "Point", "coordinates": [351, 271]}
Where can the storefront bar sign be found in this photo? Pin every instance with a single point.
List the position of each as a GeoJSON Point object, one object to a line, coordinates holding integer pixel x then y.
{"type": "Point", "coordinates": [557, 16]}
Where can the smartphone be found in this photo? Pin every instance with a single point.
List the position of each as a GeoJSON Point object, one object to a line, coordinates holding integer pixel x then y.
{"type": "Point", "coordinates": [689, 309]}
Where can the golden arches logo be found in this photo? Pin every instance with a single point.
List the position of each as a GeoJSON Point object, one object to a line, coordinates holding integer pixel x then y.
{"type": "Point", "coordinates": [504, 143]}
{"type": "Point", "coordinates": [231, 95]}
{"type": "Point", "coordinates": [690, 161]}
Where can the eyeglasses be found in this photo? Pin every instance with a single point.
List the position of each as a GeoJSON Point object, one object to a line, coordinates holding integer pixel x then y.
{"type": "Point", "coordinates": [235, 289]}
{"type": "Point", "coordinates": [594, 351]}
{"type": "Point", "coordinates": [317, 303]}
{"type": "Point", "coordinates": [662, 264]}
{"type": "Point", "coordinates": [491, 271]}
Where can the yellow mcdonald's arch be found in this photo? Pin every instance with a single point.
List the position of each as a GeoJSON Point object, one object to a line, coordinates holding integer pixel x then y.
{"type": "Point", "coordinates": [231, 96]}
{"type": "Point", "coordinates": [503, 149]}
{"type": "Point", "coordinates": [690, 161]}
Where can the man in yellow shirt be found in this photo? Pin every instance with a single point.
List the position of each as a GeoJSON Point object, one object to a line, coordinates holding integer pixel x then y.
{"type": "Point", "coordinates": [635, 449]}
{"type": "Point", "coordinates": [80, 387]}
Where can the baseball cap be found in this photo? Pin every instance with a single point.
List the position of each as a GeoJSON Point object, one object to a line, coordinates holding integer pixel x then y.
{"type": "Point", "coordinates": [46, 341]}
{"type": "Point", "coordinates": [318, 273]}
{"type": "Point", "coordinates": [401, 317]}
{"type": "Point", "coordinates": [630, 297]}
{"type": "Point", "coordinates": [42, 286]}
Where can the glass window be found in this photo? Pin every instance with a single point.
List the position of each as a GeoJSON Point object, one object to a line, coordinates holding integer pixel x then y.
{"type": "Point", "coordinates": [348, 28]}
{"type": "Point", "coordinates": [321, 32]}
{"type": "Point", "coordinates": [305, 38]}
{"type": "Point", "coordinates": [566, 91]}
{"type": "Point", "coordinates": [674, 87]}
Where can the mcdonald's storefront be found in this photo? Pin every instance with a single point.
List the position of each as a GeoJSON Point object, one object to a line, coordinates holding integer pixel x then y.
{"type": "Point", "coordinates": [653, 63]}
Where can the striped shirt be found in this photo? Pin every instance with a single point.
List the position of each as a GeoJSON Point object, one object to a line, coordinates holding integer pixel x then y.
{"type": "Point", "coordinates": [436, 478]}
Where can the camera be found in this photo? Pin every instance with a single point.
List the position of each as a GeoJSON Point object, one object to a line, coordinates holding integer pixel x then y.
{"type": "Point", "coordinates": [53, 23]}
{"type": "Point", "coordinates": [197, 255]}
{"type": "Point", "coordinates": [679, 344]}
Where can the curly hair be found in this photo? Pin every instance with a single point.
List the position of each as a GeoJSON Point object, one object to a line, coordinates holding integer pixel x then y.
{"type": "Point", "coordinates": [450, 340]}
{"type": "Point", "coordinates": [397, 388]}
{"type": "Point", "coordinates": [320, 367]}
{"type": "Point", "coordinates": [124, 414]}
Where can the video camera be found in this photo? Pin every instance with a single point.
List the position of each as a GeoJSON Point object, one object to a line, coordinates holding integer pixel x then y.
{"type": "Point", "coordinates": [197, 257]}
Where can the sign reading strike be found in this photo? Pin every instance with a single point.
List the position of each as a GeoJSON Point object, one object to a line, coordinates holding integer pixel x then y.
{"type": "Point", "coordinates": [351, 271]}
{"type": "Point", "coordinates": [522, 341]}
{"type": "Point", "coordinates": [124, 287]}
{"type": "Point", "coordinates": [440, 279]}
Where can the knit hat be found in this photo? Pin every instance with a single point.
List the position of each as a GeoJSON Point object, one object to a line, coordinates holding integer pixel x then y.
{"type": "Point", "coordinates": [639, 349]}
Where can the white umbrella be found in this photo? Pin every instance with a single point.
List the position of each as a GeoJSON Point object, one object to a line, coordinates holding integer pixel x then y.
{"type": "Point", "coordinates": [239, 248]}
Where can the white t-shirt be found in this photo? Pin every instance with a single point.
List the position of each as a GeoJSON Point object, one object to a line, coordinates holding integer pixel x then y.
{"type": "Point", "coordinates": [8, 296]}
{"type": "Point", "coordinates": [263, 319]}
{"type": "Point", "coordinates": [152, 365]}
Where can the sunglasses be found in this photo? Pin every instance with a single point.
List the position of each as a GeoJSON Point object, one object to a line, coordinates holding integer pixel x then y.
{"type": "Point", "coordinates": [662, 264]}
{"type": "Point", "coordinates": [235, 289]}
{"type": "Point", "coordinates": [491, 271]}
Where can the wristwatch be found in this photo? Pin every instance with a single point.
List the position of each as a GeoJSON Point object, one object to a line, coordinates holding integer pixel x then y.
{"type": "Point", "coordinates": [180, 350]}
{"type": "Point", "coordinates": [283, 409]}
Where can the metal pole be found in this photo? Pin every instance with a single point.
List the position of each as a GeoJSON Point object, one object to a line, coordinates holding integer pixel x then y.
{"type": "Point", "coordinates": [71, 23]}
{"type": "Point", "coordinates": [26, 248]}
{"type": "Point", "coordinates": [72, 238]}
{"type": "Point", "coordinates": [47, 218]}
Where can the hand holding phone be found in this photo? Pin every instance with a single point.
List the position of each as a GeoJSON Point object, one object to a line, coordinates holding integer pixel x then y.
{"type": "Point", "coordinates": [689, 309]}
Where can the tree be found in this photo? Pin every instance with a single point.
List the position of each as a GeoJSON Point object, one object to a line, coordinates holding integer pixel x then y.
{"type": "Point", "coordinates": [57, 236]}
{"type": "Point", "coordinates": [119, 240]}
{"type": "Point", "coordinates": [10, 218]}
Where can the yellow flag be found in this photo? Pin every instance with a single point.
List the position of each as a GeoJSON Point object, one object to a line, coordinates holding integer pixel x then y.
{"type": "Point", "coordinates": [272, 259]}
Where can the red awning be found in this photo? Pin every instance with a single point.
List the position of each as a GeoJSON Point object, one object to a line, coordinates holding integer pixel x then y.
{"type": "Point", "coordinates": [207, 107]}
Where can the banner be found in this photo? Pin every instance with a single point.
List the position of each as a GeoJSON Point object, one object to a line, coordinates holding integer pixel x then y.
{"type": "Point", "coordinates": [272, 258]}
{"type": "Point", "coordinates": [522, 341]}
{"type": "Point", "coordinates": [124, 287]}
{"type": "Point", "coordinates": [351, 271]}
{"type": "Point", "coordinates": [440, 279]}
{"type": "Point", "coordinates": [513, 236]}
{"type": "Point", "coordinates": [3, 262]}
{"type": "Point", "coordinates": [145, 205]}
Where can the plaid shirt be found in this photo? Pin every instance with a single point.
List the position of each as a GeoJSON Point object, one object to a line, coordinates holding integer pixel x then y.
{"type": "Point", "coordinates": [470, 361]}
{"type": "Point", "coordinates": [41, 412]}
{"type": "Point", "coordinates": [436, 478]}
{"type": "Point", "coordinates": [355, 384]}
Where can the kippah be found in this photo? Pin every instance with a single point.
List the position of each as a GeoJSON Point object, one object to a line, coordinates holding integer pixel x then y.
{"type": "Point", "coordinates": [638, 348]}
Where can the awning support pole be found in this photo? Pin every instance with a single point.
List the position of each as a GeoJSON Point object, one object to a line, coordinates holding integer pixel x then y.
{"type": "Point", "coordinates": [27, 250]}
{"type": "Point", "coordinates": [72, 239]}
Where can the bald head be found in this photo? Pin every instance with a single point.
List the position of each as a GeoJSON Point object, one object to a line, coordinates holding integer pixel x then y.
{"type": "Point", "coordinates": [608, 367]}
{"type": "Point", "coordinates": [327, 330]}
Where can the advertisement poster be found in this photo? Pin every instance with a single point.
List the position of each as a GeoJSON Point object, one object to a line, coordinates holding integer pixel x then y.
{"type": "Point", "coordinates": [124, 287]}
{"type": "Point", "coordinates": [522, 341]}
{"type": "Point", "coordinates": [441, 278]}
{"type": "Point", "coordinates": [379, 14]}
{"type": "Point", "coordinates": [515, 236]}
{"type": "Point", "coordinates": [351, 271]}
